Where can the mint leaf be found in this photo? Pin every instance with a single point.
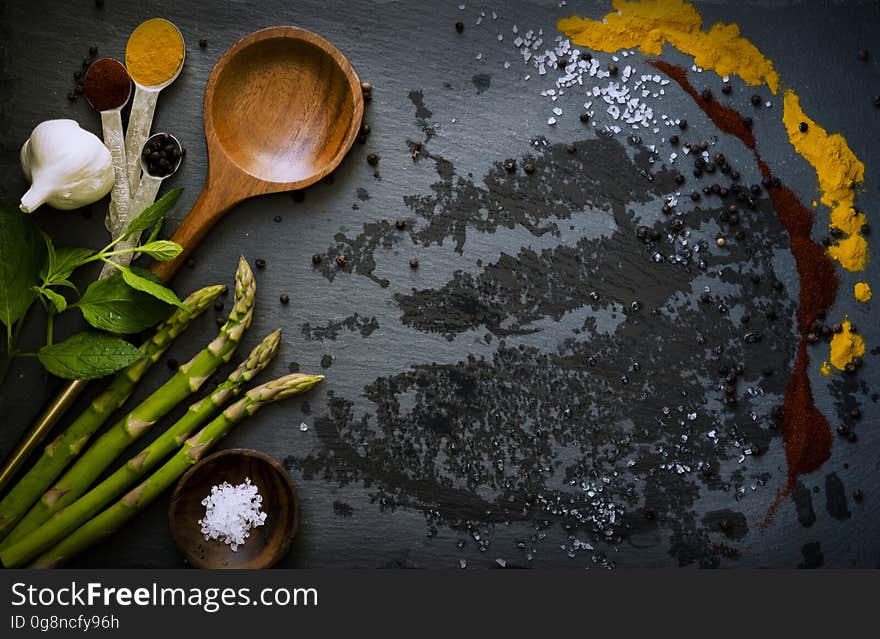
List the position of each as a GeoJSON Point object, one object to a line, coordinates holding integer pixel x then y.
{"type": "Point", "coordinates": [112, 305]}
{"type": "Point", "coordinates": [57, 299]}
{"type": "Point", "coordinates": [22, 255]}
{"type": "Point", "coordinates": [67, 260]}
{"type": "Point", "coordinates": [149, 286]}
{"type": "Point", "coordinates": [152, 214]}
{"type": "Point", "coordinates": [161, 250]}
{"type": "Point", "coordinates": [88, 355]}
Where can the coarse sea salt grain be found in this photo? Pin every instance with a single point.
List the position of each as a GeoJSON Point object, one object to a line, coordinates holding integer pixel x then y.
{"type": "Point", "coordinates": [231, 512]}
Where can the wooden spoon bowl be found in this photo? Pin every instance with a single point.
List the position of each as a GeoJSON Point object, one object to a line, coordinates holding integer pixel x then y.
{"type": "Point", "coordinates": [268, 543]}
{"type": "Point", "coordinates": [282, 108]}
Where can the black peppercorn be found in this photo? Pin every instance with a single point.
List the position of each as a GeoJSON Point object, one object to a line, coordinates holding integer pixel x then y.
{"type": "Point", "coordinates": [316, 259]}
{"type": "Point", "coordinates": [695, 196]}
{"type": "Point", "coordinates": [400, 224]}
{"type": "Point", "coordinates": [93, 50]}
{"type": "Point", "coordinates": [683, 124]}
{"type": "Point", "coordinates": [284, 298]}
{"type": "Point", "coordinates": [71, 95]}
{"type": "Point", "coordinates": [673, 140]}
{"type": "Point", "coordinates": [571, 148]}
{"type": "Point", "coordinates": [510, 165]}
{"type": "Point", "coordinates": [676, 225]}
{"type": "Point", "coordinates": [459, 26]}
{"type": "Point", "coordinates": [756, 100]}
{"type": "Point", "coordinates": [726, 89]}
{"type": "Point", "coordinates": [612, 69]}
{"type": "Point", "coordinates": [529, 168]}
{"type": "Point", "coordinates": [372, 159]}
{"type": "Point", "coordinates": [341, 260]}
{"type": "Point", "coordinates": [414, 263]}
{"type": "Point", "coordinates": [679, 179]}
{"type": "Point", "coordinates": [747, 122]}
{"type": "Point", "coordinates": [642, 232]}
{"type": "Point", "coordinates": [706, 94]}
{"type": "Point", "coordinates": [876, 101]}
{"type": "Point", "coordinates": [585, 117]}
{"type": "Point", "coordinates": [802, 127]}
{"type": "Point", "coordinates": [260, 263]}
{"type": "Point", "coordinates": [203, 42]}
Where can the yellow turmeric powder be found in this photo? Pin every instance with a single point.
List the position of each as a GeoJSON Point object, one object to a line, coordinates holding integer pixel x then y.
{"type": "Point", "coordinates": [651, 23]}
{"type": "Point", "coordinates": [839, 171]}
{"type": "Point", "coordinates": [863, 292]}
{"type": "Point", "coordinates": [846, 346]}
{"type": "Point", "coordinates": [154, 52]}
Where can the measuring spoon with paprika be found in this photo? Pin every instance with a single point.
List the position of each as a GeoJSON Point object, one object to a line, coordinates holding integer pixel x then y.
{"type": "Point", "coordinates": [107, 89]}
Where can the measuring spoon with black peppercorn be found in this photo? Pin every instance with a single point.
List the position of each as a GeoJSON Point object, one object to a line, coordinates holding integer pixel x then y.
{"type": "Point", "coordinates": [160, 159]}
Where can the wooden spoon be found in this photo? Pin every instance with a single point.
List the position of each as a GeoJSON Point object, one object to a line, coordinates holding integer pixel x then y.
{"type": "Point", "coordinates": [282, 108]}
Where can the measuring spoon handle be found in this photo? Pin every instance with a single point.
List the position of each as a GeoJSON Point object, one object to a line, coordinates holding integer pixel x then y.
{"type": "Point", "coordinates": [140, 121]}
{"type": "Point", "coordinates": [120, 194]}
{"type": "Point", "coordinates": [143, 197]}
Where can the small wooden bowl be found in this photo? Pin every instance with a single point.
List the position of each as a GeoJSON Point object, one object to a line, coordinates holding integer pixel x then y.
{"type": "Point", "coordinates": [268, 543]}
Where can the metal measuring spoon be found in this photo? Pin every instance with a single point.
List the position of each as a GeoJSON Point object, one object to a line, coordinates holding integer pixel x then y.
{"type": "Point", "coordinates": [155, 171]}
{"type": "Point", "coordinates": [143, 106]}
{"type": "Point", "coordinates": [105, 76]}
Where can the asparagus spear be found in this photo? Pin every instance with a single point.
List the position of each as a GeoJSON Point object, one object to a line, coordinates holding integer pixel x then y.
{"type": "Point", "coordinates": [188, 379]}
{"type": "Point", "coordinates": [112, 519]}
{"type": "Point", "coordinates": [68, 519]}
{"type": "Point", "coordinates": [58, 453]}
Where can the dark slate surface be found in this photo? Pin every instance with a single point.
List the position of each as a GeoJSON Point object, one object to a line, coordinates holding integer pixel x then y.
{"type": "Point", "coordinates": [475, 408]}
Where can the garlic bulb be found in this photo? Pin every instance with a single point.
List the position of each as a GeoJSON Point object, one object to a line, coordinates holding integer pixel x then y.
{"type": "Point", "coordinates": [68, 167]}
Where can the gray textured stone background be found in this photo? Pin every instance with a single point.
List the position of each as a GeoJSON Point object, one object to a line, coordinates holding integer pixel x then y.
{"type": "Point", "coordinates": [474, 407]}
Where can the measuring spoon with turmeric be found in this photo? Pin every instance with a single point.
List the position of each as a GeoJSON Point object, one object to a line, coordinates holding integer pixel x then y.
{"type": "Point", "coordinates": [154, 56]}
{"type": "Point", "coordinates": [107, 89]}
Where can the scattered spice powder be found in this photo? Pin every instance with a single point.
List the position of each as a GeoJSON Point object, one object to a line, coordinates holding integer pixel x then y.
{"type": "Point", "coordinates": [724, 117]}
{"type": "Point", "coordinates": [839, 172]}
{"type": "Point", "coordinates": [107, 85]}
{"type": "Point", "coordinates": [863, 292]}
{"type": "Point", "coordinates": [805, 430]}
{"type": "Point", "coordinates": [649, 24]}
{"type": "Point", "coordinates": [154, 52]}
{"type": "Point", "coordinates": [846, 346]}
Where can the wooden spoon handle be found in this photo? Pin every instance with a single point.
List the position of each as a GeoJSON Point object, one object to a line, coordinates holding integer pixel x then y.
{"type": "Point", "coordinates": [210, 207]}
